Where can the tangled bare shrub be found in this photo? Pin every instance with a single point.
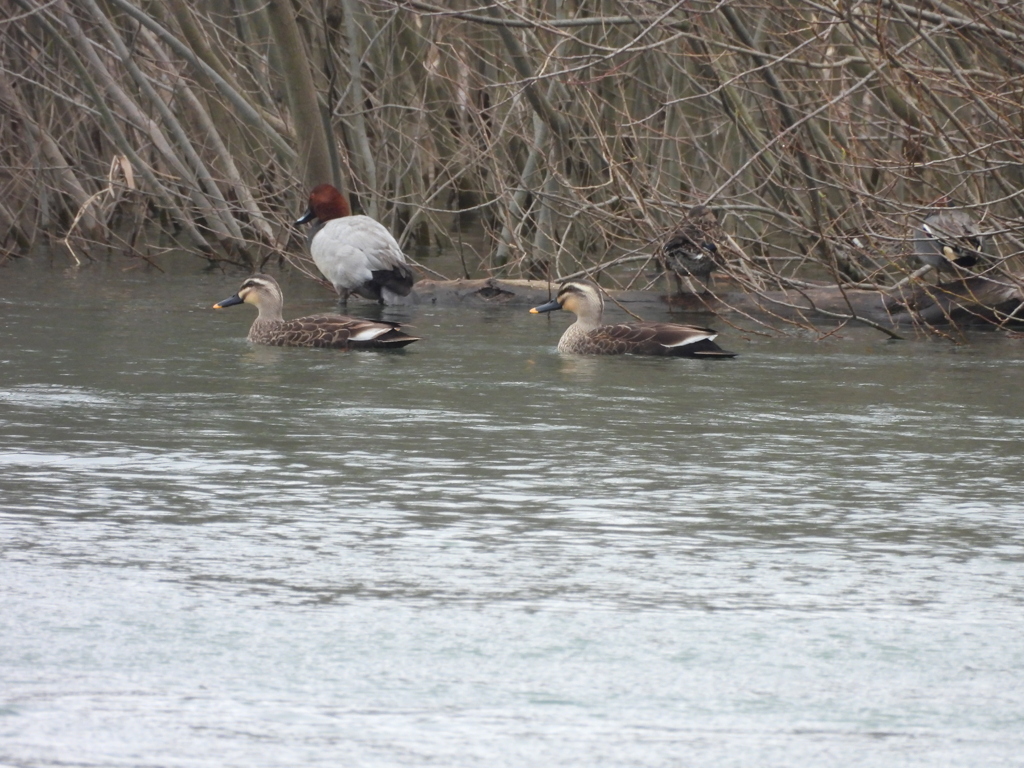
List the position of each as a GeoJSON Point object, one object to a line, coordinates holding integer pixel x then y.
{"type": "Point", "coordinates": [577, 135]}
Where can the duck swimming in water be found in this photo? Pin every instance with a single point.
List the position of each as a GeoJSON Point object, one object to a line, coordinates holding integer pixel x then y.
{"type": "Point", "coordinates": [356, 253]}
{"type": "Point", "coordinates": [588, 336]}
{"type": "Point", "coordinates": [335, 331]}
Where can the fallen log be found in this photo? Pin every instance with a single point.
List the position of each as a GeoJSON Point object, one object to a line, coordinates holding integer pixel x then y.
{"type": "Point", "coordinates": [970, 301]}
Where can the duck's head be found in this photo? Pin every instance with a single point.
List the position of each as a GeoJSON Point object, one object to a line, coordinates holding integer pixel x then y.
{"type": "Point", "coordinates": [581, 297]}
{"type": "Point", "coordinates": [262, 291]}
{"type": "Point", "coordinates": [325, 203]}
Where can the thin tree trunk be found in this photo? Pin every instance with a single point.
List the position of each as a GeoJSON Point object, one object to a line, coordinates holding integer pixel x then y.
{"type": "Point", "coordinates": [362, 152]}
{"type": "Point", "coordinates": [245, 110]}
{"type": "Point", "coordinates": [314, 157]}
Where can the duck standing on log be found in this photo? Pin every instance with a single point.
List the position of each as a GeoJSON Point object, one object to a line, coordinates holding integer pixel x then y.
{"type": "Point", "coordinates": [588, 336]}
{"type": "Point", "coordinates": [356, 253]}
{"type": "Point", "coordinates": [949, 240]}
{"type": "Point", "coordinates": [695, 248]}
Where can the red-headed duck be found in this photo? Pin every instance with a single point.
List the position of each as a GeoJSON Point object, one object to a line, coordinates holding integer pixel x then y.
{"type": "Point", "coordinates": [356, 253]}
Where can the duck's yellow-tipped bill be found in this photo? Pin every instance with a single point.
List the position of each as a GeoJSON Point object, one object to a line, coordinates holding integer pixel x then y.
{"type": "Point", "coordinates": [549, 307]}
{"type": "Point", "coordinates": [228, 302]}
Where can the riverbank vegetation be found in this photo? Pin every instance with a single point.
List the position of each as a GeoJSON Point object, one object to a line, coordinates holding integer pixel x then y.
{"type": "Point", "coordinates": [574, 136]}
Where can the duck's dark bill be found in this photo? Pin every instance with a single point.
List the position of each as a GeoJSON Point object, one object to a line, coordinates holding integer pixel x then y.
{"type": "Point", "coordinates": [549, 307]}
{"type": "Point", "coordinates": [228, 302]}
{"type": "Point", "coordinates": [307, 216]}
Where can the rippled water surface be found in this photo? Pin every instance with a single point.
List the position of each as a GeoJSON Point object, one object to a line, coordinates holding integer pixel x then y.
{"type": "Point", "coordinates": [477, 552]}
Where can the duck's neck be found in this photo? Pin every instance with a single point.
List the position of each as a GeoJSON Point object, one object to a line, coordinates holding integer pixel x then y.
{"type": "Point", "coordinates": [270, 313]}
{"type": "Point", "coordinates": [588, 321]}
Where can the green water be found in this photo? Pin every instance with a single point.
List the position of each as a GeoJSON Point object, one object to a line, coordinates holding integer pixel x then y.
{"type": "Point", "coordinates": [477, 552]}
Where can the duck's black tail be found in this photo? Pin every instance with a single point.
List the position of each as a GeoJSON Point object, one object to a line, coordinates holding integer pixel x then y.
{"type": "Point", "coordinates": [706, 348]}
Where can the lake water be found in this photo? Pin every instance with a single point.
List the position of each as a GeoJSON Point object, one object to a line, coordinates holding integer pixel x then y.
{"type": "Point", "coordinates": [477, 552]}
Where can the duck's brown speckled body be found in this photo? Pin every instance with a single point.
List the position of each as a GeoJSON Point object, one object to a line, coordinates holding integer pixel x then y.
{"type": "Point", "coordinates": [588, 336]}
{"type": "Point", "coordinates": [334, 331]}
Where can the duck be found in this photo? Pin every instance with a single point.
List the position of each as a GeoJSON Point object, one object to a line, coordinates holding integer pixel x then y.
{"type": "Point", "coordinates": [693, 249]}
{"type": "Point", "coordinates": [356, 254]}
{"type": "Point", "coordinates": [334, 331]}
{"type": "Point", "coordinates": [949, 239]}
{"type": "Point", "coordinates": [588, 336]}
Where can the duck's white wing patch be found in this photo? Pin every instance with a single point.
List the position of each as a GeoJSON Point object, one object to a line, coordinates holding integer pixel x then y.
{"type": "Point", "coordinates": [692, 339]}
{"type": "Point", "coordinates": [369, 333]}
